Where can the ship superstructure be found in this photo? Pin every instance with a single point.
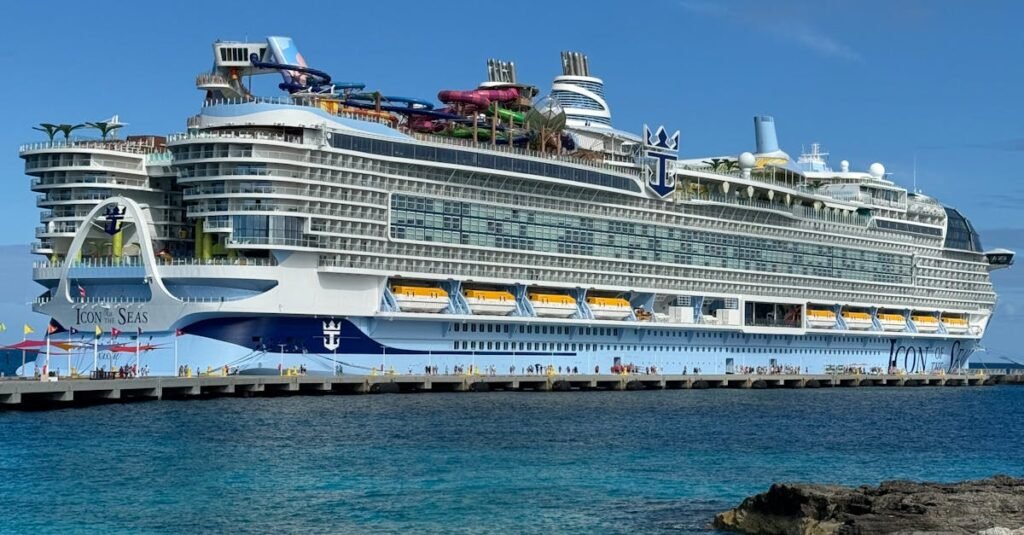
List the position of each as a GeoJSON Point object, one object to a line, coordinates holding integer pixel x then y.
{"type": "Point", "coordinates": [340, 229]}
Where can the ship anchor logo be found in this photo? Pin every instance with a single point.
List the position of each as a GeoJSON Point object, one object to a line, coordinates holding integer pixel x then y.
{"type": "Point", "coordinates": [332, 335]}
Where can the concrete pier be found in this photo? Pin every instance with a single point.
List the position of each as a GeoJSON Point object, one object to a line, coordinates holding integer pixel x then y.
{"type": "Point", "coordinates": [32, 394]}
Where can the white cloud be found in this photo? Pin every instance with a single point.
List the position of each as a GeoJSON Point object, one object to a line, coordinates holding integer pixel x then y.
{"type": "Point", "coordinates": [767, 18]}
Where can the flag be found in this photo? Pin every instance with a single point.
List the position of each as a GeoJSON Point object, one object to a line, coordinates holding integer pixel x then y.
{"type": "Point", "coordinates": [139, 329]}
{"type": "Point", "coordinates": [114, 332]}
{"type": "Point", "coordinates": [51, 328]}
{"type": "Point", "coordinates": [99, 332]}
{"type": "Point", "coordinates": [3, 327]}
{"type": "Point", "coordinates": [177, 332]}
{"type": "Point", "coordinates": [72, 331]}
{"type": "Point", "coordinates": [28, 330]}
{"type": "Point", "coordinates": [81, 291]}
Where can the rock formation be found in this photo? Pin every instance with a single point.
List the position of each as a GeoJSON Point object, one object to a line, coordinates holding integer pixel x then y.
{"type": "Point", "coordinates": [992, 506]}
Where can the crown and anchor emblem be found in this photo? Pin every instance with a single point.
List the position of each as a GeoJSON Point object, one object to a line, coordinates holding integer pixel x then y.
{"type": "Point", "coordinates": [660, 147]}
{"type": "Point", "coordinates": [332, 335]}
{"type": "Point", "coordinates": [114, 216]}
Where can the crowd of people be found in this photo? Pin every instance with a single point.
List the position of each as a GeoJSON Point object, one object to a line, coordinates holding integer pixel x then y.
{"type": "Point", "coordinates": [769, 370]}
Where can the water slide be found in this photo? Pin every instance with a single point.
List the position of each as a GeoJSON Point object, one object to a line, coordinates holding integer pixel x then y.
{"type": "Point", "coordinates": [297, 75]}
{"type": "Point", "coordinates": [478, 98]}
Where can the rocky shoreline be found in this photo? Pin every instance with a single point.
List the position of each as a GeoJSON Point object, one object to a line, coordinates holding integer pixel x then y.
{"type": "Point", "coordinates": [993, 506]}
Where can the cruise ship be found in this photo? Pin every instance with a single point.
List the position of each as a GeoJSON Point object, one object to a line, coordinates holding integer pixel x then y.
{"type": "Point", "coordinates": [335, 229]}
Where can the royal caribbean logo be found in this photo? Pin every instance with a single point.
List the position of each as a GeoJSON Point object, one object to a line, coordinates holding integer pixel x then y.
{"type": "Point", "coordinates": [114, 215]}
{"type": "Point", "coordinates": [662, 148]}
{"type": "Point", "coordinates": [332, 335]}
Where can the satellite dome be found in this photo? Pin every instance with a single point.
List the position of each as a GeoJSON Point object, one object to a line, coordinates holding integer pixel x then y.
{"type": "Point", "coordinates": [747, 161]}
{"type": "Point", "coordinates": [844, 166]}
{"type": "Point", "coordinates": [876, 170]}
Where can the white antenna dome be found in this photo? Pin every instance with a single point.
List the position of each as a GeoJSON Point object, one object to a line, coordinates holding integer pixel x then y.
{"type": "Point", "coordinates": [747, 161]}
{"type": "Point", "coordinates": [844, 166]}
{"type": "Point", "coordinates": [876, 170]}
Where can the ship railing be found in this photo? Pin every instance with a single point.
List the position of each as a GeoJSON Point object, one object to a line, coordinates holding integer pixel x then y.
{"type": "Point", "coordinates": [118, 300]}
{"type": "Point", "coordinates": [89, 179]}
{"type": "Point", "coordinates": [57, 227]}
{"type": "Point", "coordinates": [560, 158]}
{"type": "Point", "coordinates": [288, 101]}
{"type": "Point", "coordinates": [210, 78]}
{"type": "Point", "coordinates": [809, 218]}
{"type": "Point", "coordinates": [93, 162]}
{"type": "Point", "coordinates": [864, 198]}
{"type": "Point", "coordinates": [116, 145]}
{"type": "Point", "coordinates": [134, 261]}
{"type": "Point", "coordinates": [238, 134]}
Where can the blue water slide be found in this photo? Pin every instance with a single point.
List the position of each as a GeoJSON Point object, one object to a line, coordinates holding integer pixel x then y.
{"type": "Point", "coordinates": [410, 102]}
{"type": "Point", "coordinates": [323, 79]}
{"type": "Point", "coordinates": [406, 110]}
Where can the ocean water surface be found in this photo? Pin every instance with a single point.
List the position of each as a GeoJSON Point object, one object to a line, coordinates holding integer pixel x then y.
{"type": "Point", "coordinates": [598, 462]}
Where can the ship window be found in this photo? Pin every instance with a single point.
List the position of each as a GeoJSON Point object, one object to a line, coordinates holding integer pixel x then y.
{"type": "Point", "coordinates": [960, 233]}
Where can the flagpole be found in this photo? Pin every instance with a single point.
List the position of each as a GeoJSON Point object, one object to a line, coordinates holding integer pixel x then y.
{"type": "Point", "coordinates": [138, 341]}
{"type": "Point", "coordinates": [95, 355]}
{"type": "Point", "coordinates": [47, 367]}
{"type": "Point", "coordinates": [176, 352]}
{"type": "Point", "coordinates": [69, 352]}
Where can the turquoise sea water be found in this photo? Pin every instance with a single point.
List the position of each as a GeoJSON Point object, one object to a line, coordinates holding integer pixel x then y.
{"type": "Point", "coordinates": [600, 462]}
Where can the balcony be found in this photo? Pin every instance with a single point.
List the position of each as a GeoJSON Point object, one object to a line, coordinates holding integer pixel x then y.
{"type": "Point", "coordinates": [116, 145]}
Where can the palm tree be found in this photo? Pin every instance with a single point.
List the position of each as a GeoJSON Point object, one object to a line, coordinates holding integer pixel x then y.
{"type": "Point", "coordinates": [66, 129]}
{"type": "Point", "coordinates": [715, 163]}
{"type": "Point", "coordinates": [105, 127]}
{"type": "Point", "coordinates": [50, 130]}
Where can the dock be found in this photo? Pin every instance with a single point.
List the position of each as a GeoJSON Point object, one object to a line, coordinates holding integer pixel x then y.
{"type": "Point", "coordinates": [35, 394]}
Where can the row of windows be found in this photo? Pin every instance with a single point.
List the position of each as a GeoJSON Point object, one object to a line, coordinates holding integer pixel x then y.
{"type": "Point", "coordinates": [672, 333]}
{"type": "Point", "coordinates": [534, 329]}
{"type": "Point", "coordinates": [408, 227]}
{"type": "Point", "coordinates": [513, 221]}
{"type": "Point", "coordinates": [499, 242]}
{"type": "Point", "coordinates": [908, 227]}
{"type": "Point", "coordinates": [766, 255]}
{"type": "Point", "coordinates": [560, 347]}
{"type": "Point", "coordinates": [484, 160]}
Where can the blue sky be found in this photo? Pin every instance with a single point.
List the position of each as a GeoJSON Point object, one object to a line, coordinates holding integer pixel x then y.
{"type": "Point", "coordinates": [871, 80]}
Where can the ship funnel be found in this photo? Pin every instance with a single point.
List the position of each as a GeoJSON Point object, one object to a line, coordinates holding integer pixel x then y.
{"type": "Point", "coordinates": [764, 133]}
{"type": "Point", "coordinates": [575, 64]}
{"type": "Point", "coordinates": [501, 71]}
